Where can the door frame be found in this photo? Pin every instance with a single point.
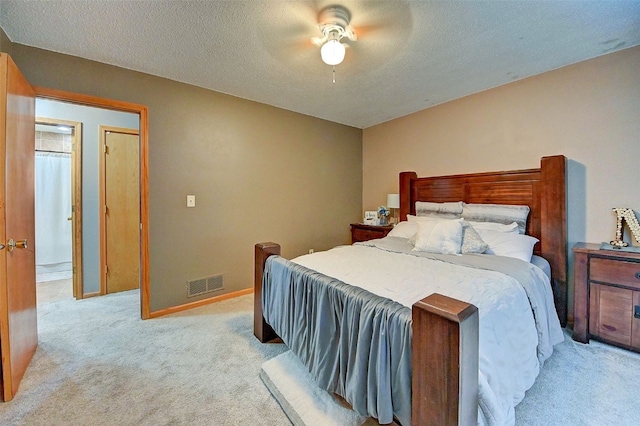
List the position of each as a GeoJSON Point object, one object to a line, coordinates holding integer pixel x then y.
{"type": "Point", "coordinates": [76, 199]}
{"type": "Point", "coordinates": [103, 204]}
{"type": "Point", "coordinates": [142, 111]}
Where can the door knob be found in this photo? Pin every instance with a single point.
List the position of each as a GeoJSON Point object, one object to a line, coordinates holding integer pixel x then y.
{"type": "Point", "coordinates": [19, 244]}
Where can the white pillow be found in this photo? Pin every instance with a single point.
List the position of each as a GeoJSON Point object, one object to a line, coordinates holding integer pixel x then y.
{"type": "Point", "coordinates": [404, 229]}
{"type": "Point", "coordinates": [493, 227]}
{"type": "Point", "coordinates": [439, 236]}
{"type": "Point", "coordinates": [416, 219]}
{"type": "Point", "coordinates": [510, 244]}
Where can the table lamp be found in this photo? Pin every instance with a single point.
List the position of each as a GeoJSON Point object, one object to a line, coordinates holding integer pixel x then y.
{"type": "Point", "coordinates": [393, 203]}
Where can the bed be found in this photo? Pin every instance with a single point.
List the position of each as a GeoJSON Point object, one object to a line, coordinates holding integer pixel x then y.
{"type": "Point", "coordinates": [444, 344]}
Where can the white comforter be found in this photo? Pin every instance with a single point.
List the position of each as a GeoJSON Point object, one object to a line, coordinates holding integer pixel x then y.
{"type": "Point", "coordinates": [513, 344]}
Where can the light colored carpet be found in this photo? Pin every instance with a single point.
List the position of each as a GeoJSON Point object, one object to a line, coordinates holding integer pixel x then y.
{"type": "Point", "coordinates": [589, 385]}
{"type": "Point", "coordinates": [304, 402]}
{"type": "Point", "coordinates": [581, 385]}
{"type": "Point", "coordinates": [97, 363]}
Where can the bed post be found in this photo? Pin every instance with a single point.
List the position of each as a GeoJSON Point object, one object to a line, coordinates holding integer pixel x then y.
{"type": "Point", "coordinates": [444, 352]}
{"type": "Point", "coordinates": [554, 227]}
{"type": "Point", "coordinates": [405, 193]}
{"type": "Point", "coordinates": [261, 329]}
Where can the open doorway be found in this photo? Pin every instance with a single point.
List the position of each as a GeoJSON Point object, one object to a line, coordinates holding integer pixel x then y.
{"type": "Point", "coordinates": [135, 118]}
{"type": "Point", "coordinates": [58, 218]}
{"type": "Point", "coordinates": [90, 186]}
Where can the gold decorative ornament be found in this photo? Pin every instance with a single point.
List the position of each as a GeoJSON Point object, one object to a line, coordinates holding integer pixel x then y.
{"type": "Point", "coordinates": [627, 215]}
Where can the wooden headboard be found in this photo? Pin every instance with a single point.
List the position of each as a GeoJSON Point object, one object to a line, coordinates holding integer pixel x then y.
{"type": "Point", "coordinates": [543, 190]}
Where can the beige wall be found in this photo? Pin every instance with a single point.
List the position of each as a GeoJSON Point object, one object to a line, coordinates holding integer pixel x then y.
{"type": "Point", "coordinates": [590, 112]}
{"type": "Point", "coordinates": [259, 173]}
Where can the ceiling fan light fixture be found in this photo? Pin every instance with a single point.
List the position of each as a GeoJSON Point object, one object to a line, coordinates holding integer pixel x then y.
{"type": "Point", "coordinates": [334, 25]}
{"type": "Point", "coordinates": [332, 52]}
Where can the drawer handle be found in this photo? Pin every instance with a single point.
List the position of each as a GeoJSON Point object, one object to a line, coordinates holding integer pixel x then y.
{"type": "Point", "coordinates": [638, 275]}
{"type": "Point", "coordinates": [636, 311]}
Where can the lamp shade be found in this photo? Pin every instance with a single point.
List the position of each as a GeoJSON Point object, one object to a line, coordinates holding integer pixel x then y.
{"type": "Point", "coordinates": [393, 201]}
{"type": "Point", "coordinates": [332, 52]}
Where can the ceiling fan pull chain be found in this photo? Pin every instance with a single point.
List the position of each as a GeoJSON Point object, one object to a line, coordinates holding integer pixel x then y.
{"type": "Point", "coordinates": [334, 73]}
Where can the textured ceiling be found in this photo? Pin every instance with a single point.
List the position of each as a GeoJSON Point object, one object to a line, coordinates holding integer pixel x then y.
{"type": "Point", "coordinates": [410, 55]}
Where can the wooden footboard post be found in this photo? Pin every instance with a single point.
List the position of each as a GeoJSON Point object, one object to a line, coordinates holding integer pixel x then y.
{"type": "Point", "coordinates": [261, 329]}
{"type": "Point", "coordinates": [445, 362]}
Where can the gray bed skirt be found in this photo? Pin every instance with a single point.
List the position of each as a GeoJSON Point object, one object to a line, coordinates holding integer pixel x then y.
{"type": "Point", "coordinates": [354, 343]}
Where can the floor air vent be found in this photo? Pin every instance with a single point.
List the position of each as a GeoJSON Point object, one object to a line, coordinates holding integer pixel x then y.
{"type": "Point", "coordinates": [204, 285]}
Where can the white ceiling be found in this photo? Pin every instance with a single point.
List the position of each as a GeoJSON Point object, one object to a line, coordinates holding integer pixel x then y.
{"type": "Point", "coordinates": [410, 55]}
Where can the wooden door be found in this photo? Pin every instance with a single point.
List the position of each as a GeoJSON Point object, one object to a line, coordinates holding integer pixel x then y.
{"type": "Point", "coordinates": [18, 326]}
{"type": "Point", "coordinates": [121, 242]}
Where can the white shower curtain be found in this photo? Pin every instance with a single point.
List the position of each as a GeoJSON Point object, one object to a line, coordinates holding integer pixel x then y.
{"type": "Point", "coordinates": [53, 207]}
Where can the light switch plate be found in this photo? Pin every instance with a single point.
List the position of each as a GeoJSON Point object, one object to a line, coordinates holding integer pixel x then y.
{"type": "Point", "coordinates": [191, 200]}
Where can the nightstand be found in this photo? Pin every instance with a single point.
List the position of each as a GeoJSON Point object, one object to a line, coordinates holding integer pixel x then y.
{"type": "Point", "coordinates": [362, 232]}
{"type": "Point", "coordinates": [606, 296]}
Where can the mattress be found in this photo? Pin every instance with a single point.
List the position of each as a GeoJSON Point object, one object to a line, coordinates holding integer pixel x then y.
{"type": "Point", "coordinates": [518, 323]}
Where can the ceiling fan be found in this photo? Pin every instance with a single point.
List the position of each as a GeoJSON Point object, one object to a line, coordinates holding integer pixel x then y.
{"type": "Point", "coordinates": [334, 24]}
{"type": "Point", "coordinates": [371, 31]}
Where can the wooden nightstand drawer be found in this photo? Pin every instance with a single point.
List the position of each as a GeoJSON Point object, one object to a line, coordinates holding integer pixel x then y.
{"type": "Point", "coordinates": [609, 320]}
{"type": "Point", "coordinates": [367, 234]}
{"type": "Point", "coordinates": [361, 232]}
{"type": "Point", "coordinates": [615, 272]}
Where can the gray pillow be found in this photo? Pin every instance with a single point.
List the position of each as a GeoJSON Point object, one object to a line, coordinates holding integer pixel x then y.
{"type": "Point", "coordinates": [451, 210]}
{"type": "Point", "coordinates": [471, 241]}
{"type": "Point", "coordinates": [497, 213]}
